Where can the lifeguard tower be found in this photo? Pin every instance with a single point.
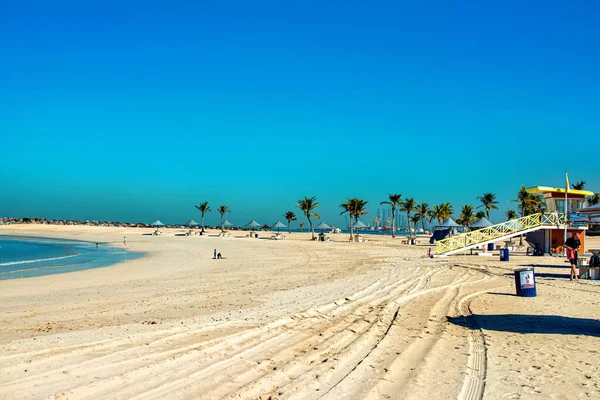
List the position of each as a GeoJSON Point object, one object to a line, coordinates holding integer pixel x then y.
{"type": "Point", "coordinates": [545, 231]}
{"type": "Point", "coordinates": [551, 239]}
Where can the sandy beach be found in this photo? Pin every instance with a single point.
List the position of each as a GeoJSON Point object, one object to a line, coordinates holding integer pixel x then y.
{"type": "Point", "coordinates": [295, 319]}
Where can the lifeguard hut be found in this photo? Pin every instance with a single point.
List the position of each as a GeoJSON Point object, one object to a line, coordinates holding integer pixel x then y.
{"type": "Point", "coordinates": [551, 239]}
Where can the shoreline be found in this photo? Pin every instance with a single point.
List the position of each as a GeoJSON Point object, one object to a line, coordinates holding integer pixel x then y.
{"type": "Point", "coordinates": [85, 255]}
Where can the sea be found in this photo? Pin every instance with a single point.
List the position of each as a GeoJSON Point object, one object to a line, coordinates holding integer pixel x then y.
{"type": "Point", "coordinates": [26, 257]}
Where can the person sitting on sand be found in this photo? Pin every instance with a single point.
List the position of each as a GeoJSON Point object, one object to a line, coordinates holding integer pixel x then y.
{"type": "Point", "coordinates": [572, 245]}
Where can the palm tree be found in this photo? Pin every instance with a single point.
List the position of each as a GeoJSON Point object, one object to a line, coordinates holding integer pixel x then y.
{"type": "Point", "coordinates": [431, 215]}
{"type": "Point", "coordinates": [488, 201]}
{"type": "Point", "coordinates": [510, 214]}
{"type": "Point", "coordinates": [394, 201]}
{"type": "Point", "coordinates": [526, 201]}
{"type": "Point", "coordinates": [347, 207]}
{"type": "Point", "coordinates": [307, 205]}
{"type": "Point", "coordinates": [223, 210]}
{"type": "Point", "coordinates": [446, 211]}
{"type": "Point", "coordinates": [436, 213]}
{"type": "Point", "coordinates": [290, 216]}
{"type": "Point", "coordinates": [415, 220]}
{"type": "Point", "coordinates": [595, 199]}
{"type": "Point", "coordinates": [204, 208]}
{"type": "Point", "coordinates": [300, 224]}
{"type": "Point", "coordinates": [356, 208]}
{"type": "Point", "coordinates": [480, 214]}
{"type": "Point", "coordinates": [423, 212]}
{"type": "Point", "coordinates": [408, 206]}
{"type": "Point", "coordinates": [528, 204]}
{"type": "Point", "coordinates": [578, 185]}
{"type": "Point", "coordinates": [466, 216]}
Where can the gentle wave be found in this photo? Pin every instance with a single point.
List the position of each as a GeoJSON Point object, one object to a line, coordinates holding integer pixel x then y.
{"type": "Point", "coordinates": [15, 271]}
{"type": "Point", "coordinates": [34, 261]}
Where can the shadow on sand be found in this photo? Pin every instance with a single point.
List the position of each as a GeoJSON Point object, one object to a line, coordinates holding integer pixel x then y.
{"type": "Point", "coordinates": [559, 266]}
{"type": "Point", "coordinates": [545, 324]}
{"type": "Point", "coordinates": [565, 275]}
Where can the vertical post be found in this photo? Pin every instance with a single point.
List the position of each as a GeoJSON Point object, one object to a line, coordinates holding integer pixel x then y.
{"type": "Point", "coordinates": [565, 221]}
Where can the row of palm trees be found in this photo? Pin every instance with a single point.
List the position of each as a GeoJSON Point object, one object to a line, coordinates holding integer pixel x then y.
{"type": "Point", "coordinates": [356, 207]}
{"type": "Point", "coordinates": [416, 212]}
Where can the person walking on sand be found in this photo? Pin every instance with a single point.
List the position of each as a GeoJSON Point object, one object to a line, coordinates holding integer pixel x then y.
{"type": "Point", "coordinates": [572, 245]}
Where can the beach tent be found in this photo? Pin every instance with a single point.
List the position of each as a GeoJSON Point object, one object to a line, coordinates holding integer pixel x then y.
{"type": "Point", "coordinates": [322, 226]}
{"type": "Point", "coordinates": [278, 225]}
{"type": "Point", "coordinates": [358, 224]}
{"type": "Point", "coordinates": [191, 222]}
{"type": "Point", "coordinates": [157, 223]}
{"type": "Point", "coordinates": [482, 223]}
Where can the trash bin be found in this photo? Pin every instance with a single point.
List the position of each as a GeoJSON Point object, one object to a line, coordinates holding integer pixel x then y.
{"type": "Point", "coordinates": [525, 282]}
{"type": "Point", "coordinates": [413, 241]}
{"type": "Point", "coordinates": [504, 255]}
{"type": "Point", "coordinates": [322, 237]}
{"type": "Point", "coordinates": [490, 246]}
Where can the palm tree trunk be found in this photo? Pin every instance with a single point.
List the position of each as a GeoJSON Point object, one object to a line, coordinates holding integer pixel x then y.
{"type": "Point", "coordinates": [202, 222]}
{"type": "Point", "coordinates": [311, 228]}
{"type": "Point", "coordinates": [393, 220]}
{"type": "Point", "coordinates": [289, 224]}
{"type": "Point", "coordinates": [408, 223]}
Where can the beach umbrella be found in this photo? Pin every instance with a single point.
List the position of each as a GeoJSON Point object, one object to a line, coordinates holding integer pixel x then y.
{"type": "Point", "coordinates": [226, 224]}
{"type": "Point", "coordinates": [278, 225]}
{"type": "Point", "coordinates": [252, 224]}
{"type": "Point", "coordinates": [322, 226]}
{"type": "Point", "coordinates": [191, 222]}
{"type": "Point", "coordinates": [482, 223]}
{"type": "Point", "coordinates": [157, 223]}
{"type": "Point", "coordinates": [450, 223]}
{"type": "Point", "coordinates": [358, 224]}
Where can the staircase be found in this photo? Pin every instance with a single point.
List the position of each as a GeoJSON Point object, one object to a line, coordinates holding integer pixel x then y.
{"type": "Point", "coordinates": [498, 232]}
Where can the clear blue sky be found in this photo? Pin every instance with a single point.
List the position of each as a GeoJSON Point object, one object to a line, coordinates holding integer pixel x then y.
{"type": "Point", "coordinates": [138, 110]}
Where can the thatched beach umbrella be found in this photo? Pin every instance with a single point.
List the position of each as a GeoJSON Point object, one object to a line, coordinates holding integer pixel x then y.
{"type": "Point", "coordinates": [322, 226]}
{"type": "Point", "coordinates": [278, 225]}
{"type": "Point", "coordinates": [252, 224]}
{"type": "Point", "coordinates": [191, 223]}
{"type": "Point", "coordinates": [450, 223]}
{"type": "Point", "coordinates": [482, 223]}
{"type": "Point", "coordinates": [358, 224]}
{"type": "Point", "coordinates": [157, 223]}
{"type": "Point", "coordinates": [226, 224]}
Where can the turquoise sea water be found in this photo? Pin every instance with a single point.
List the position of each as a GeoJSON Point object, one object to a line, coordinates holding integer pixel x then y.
{"type": "Point", "coordinates": [23, 257]}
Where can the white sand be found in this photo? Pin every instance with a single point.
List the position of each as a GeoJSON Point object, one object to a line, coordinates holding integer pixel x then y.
{"type": "Point", "coordinates": [295, 319]}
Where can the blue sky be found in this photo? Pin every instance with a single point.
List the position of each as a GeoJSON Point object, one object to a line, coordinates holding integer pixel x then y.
{"type": "Point", "coordinates": [138, 110]}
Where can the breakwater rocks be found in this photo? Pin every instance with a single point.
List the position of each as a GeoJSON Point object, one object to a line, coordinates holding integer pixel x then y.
{"type": "Point", "coordinates": [43, 221]}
